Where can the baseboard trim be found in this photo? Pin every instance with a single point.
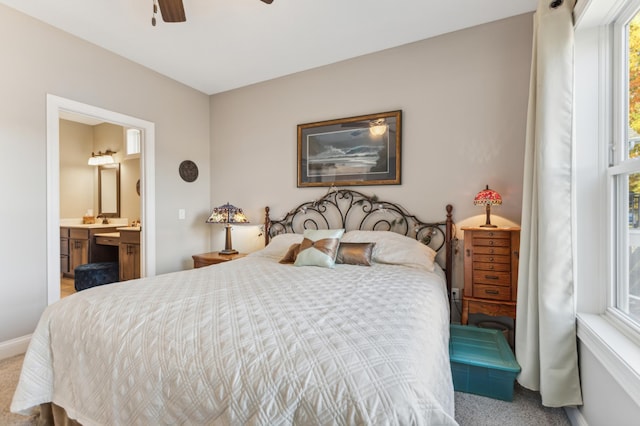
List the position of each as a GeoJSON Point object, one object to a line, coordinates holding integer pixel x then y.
{"type": "Point", "coordinates": [575, 416]}
{"type": "Point", "coordinates": [14, 347]}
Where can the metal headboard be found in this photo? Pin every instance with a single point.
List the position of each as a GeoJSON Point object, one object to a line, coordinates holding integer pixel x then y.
{"type": "Point", "coordinates": [352, 210]}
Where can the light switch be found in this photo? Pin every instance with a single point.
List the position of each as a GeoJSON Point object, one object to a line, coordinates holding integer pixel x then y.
{"type": "Point", "coordinates": [182, 214]}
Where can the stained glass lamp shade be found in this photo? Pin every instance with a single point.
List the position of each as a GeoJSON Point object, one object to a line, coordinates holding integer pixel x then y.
{"type": "Point", "coordinates": [227, 214]}
{"type": "Point", "coordinates": [487, 197]}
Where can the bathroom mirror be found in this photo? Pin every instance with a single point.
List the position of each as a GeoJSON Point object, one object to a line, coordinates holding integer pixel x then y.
{"type": "Point", "coordinates": [109, 190]}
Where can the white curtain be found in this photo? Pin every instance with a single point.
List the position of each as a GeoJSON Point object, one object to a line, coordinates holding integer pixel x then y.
{"type": "Point", "coordinates": [546, 345]}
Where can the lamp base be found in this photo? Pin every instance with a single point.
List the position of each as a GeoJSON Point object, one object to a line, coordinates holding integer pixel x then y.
{"type": "Point", "coordinates": [226, 251]}
{"type": "Point", "coordinates": [487, 223]}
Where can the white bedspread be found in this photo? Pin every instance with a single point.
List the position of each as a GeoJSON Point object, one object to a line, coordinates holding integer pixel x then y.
{"type": "Point", "coordinates": [248, 342]}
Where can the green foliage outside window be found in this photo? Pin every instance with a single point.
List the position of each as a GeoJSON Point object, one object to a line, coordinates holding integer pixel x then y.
{"type": "Point", "coordinates": [634, 79]}
{"type": "Point", "coordinates": [634, 97]}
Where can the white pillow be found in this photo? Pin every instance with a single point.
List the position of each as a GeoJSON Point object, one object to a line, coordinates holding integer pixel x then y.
{"type": "Point", "coordinates": [279, 245]}
{"type": "Point", "coordinates": [394, 248]}
{"type": "Point", "coordinates": [319, 248]}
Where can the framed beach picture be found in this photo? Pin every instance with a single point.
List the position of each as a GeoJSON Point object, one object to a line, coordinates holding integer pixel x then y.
{"type": "Point", "coordinates": [363, 150]}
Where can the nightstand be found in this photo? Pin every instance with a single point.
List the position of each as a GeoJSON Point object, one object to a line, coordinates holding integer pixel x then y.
{"type": "Point", "coordinates": [214, 257]}
{"type": "Point", "coordinates": [490, 271]}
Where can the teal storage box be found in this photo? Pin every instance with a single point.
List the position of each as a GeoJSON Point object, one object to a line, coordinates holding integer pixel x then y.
{"type": "Point", "coordinates": [482, 362]}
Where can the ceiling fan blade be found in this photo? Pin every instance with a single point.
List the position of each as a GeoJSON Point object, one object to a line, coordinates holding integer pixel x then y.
{"type": "Point", "coordinates": [267, 1]}
{"type": "Point", "coordinates": [172, 10]}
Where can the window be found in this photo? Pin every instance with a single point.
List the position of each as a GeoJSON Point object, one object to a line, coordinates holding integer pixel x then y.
{"type": "Point", "coordinates": [605, 211]}
{"type": "Point", "coordinates": [133, 143]}
{"type": "Point", "coordinates": [624, 170]}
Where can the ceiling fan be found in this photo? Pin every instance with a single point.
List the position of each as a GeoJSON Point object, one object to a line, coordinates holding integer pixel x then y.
{"type": "Point", "coordinates": [173, 10]}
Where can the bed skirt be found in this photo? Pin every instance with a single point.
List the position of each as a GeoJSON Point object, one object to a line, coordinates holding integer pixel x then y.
{"type": "Point", "coordinates": [52, 414]}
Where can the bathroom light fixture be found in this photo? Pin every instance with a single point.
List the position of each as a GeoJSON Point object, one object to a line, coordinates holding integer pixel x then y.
{"type": "Point", "coordinates": [227, 214]}
{"type": "Point", "coordinates": [100, 159]}
{"type": "Point", "coordinates": [487, 197]}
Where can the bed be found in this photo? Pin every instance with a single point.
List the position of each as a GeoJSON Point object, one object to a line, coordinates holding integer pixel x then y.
{"type": "Point", "coordinates": [274, 338]}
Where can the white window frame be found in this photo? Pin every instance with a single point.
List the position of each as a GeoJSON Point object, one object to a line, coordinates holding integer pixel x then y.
{"type": "Point", "coordinates": [601, 329]}
{"type": "Point", "coordinates": [620, 165]}
{"type": "Point", "coordinates": [129, 155]}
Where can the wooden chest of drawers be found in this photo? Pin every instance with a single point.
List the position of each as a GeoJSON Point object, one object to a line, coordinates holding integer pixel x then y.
{"type": "Point", "coordinates": [490, 271]}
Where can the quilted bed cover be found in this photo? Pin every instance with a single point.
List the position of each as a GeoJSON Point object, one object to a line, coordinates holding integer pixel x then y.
{"type": "Point", "coordinates": [248, 342]}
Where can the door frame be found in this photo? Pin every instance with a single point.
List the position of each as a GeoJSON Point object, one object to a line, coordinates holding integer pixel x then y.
{"type": "Point", "coordinates": [56, 104]}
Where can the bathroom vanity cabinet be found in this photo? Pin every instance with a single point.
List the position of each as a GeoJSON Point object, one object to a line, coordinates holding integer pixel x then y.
{"type": "Point", "coordinates": [78, 246]}
{"type": "Point", "coordinates": [129, 254]}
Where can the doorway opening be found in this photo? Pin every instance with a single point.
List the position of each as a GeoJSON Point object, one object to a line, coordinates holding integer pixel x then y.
{"type": "Point", "coordinates": [57, 107]}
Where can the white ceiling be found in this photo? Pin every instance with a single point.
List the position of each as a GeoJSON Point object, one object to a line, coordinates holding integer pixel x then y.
{"type": "Point", "coordinates": [227, 44]}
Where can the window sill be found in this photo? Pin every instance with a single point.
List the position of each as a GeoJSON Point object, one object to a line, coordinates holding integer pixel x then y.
{"type": "Point", "coordinates": [135, 156]}
{"type": "Point", "coordinates": [619, 354]}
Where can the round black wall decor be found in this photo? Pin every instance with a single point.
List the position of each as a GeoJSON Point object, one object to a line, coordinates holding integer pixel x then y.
{"type": "Point", "coordinates": [188, 171]}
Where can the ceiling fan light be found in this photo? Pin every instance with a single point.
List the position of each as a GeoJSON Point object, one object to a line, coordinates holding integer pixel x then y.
{"type": "Point", "coordinates": [378, 130]}
{"type": "Point", "coordinates": [378, 127]}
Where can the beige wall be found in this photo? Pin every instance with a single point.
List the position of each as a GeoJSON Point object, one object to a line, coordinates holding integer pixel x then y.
{"type": "Point", "coordinates": [106, 136]}
{"type": "Point", "coordinates": [464, 101]}
{"type": "Point", "coordinates": [79, 181]}
{"type": "Point", "coordinates": [40, 60]}
{"type": "Point", "coordinates": [111, 136]}
{"type": "Point", "coordinates": [463, 96]}
{"type": "Point", "coordinates": [129, 198]}
{"type": "Point", "coordinates": [77, 185]}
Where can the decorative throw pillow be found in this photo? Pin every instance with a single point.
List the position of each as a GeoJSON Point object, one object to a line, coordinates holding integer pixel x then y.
{"type": "Point", "coordinates": [278, 246]}
{"type": "Point", "coordinates": [319, 247]}
{"type": "Point", "coordinates": [355, 253]}
{"type": "Point", "coordinates": [292, 253]}
{"type": "Point", "coordinates": [395, 249]}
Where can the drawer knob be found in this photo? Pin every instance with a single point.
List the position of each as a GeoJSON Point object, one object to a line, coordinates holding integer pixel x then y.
{"type": "Point", "coordinates": [491, 234]}
{"type": "Point", "coordinates": [491, 242]}
{"type": "Point", "coordinates": [491, 259]}
{"type": "Point", "coordinates": [491, 251]}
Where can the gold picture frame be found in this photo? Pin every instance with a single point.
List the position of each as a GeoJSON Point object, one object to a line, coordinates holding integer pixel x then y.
{"type": "Point", "coordinates": [353, 151]}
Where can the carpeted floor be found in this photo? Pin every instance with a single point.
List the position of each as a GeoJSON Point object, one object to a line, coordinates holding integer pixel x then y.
{"type": "Point", "coordinates": [9, 375]}
{"type": "Point", "coordinates": [525, 410]}
{"type": "Point", "coordinates": [471, 410]}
